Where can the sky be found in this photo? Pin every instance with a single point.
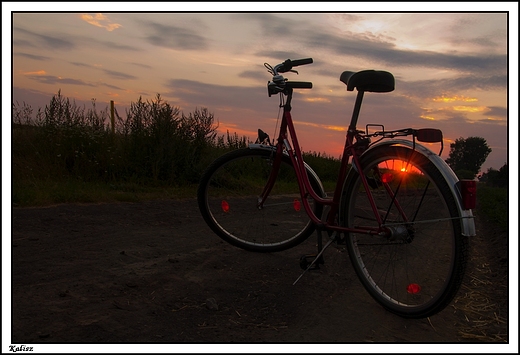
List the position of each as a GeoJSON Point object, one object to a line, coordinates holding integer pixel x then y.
{"type": "Point", "coordinates": [451, 69]}
{"type": "Point", "coordinates": [455, 70]}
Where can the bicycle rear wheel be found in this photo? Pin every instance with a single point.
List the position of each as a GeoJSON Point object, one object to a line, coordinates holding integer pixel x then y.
{"type": "Point", "coordinates": [228, 196]}
{"type": "Point", "coordinates": [416, 270]}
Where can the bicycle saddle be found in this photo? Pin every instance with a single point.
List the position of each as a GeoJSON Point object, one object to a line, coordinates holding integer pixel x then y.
{"type": "Point", "coordinates": [368, 80]}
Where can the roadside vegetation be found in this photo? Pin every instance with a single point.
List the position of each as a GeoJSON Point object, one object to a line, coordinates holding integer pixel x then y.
{"type": "Point", "coordinates": [67, 153]}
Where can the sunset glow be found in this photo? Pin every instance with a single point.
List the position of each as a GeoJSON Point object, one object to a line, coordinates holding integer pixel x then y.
{"type": "Point", "coordinates": [448, 79]}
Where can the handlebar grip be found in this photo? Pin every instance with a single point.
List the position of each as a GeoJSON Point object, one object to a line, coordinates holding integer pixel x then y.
{"type": "Point", "coordinates": [303, 61]}
{"type": "Point", "coordinates": [299, 84]}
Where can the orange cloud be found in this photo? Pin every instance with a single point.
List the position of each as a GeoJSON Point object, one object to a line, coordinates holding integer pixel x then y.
{"type": "Point", "coordinates": [224, 128]}
{"type": "Point", "coordinates": [100, 20]}
{"type": "Point", "coordinates": [316, 99]}
{"type": "Point", "coordinates": [323, 126]}
{"type": "Point", "coordinates": [470, 108]}
{"type": "Point", "coordinates": [39, 72]}
{"type": "Point", "coordinates": [454, 98]}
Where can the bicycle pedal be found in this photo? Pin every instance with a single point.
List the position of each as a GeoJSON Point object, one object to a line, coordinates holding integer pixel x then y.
{"type": "Point", "coordinates": [306, 260]}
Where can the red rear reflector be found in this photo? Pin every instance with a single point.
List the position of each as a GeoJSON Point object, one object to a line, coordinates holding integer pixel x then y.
{"type": "Point", "coordinates": [468, 190]}
{"type": "Point", "coordinates": [225, 206]}
{"type": "Point", "coordinates": [387, 177]}
{"type": "Point", "coordinates": [296, 205]}
{"type": "Point", "coordinates": [413, 289]}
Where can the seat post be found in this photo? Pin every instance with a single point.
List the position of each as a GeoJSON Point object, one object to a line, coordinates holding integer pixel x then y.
{"type": "Point", "coordinates": [357, 108]}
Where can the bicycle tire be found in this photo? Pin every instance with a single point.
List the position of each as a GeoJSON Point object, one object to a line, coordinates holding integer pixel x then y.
{"type": "Point", "coordinates": [417, 271]}
{"type": "Point", "coordinates": [228, 194]}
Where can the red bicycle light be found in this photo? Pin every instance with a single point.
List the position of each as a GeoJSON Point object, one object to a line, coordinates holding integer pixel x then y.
{"type": "Point", "coordinates": [387, 177]}
{"type": "Point", "coordinates": [225, 206]}
{"type": "Point", "coordinates": [468, 190]}
{"type": "Point", "coordinates": [296, 205]}
{"type": "Point", "coordinates": [413, 289]}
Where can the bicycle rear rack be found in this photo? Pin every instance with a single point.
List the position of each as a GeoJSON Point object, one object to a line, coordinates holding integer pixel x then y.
{"type": "Point", "coordinates": [425, 135]}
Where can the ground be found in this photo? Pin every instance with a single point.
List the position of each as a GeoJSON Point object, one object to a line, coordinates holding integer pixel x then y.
{"type": "Point", "coordinates": [153, 272]}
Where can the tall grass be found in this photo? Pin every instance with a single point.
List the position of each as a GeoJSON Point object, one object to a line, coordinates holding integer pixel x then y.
{"type": "Point", "coordinates": [68, 153]}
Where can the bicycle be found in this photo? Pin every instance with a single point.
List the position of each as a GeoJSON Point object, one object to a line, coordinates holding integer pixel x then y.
{"type": "Point", "coordinates": [401, 211]}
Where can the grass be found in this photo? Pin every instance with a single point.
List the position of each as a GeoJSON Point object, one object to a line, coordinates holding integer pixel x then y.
{"type": "Point", "coordinates": [493, 203]}
{"type": "Point", "coordinates": [50, 192]}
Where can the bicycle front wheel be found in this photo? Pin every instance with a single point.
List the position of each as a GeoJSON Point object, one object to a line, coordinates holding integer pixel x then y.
{"type": "Point", "coordinates": [416, 269]}
{"type": "Point", "coordinates": [228, 197]}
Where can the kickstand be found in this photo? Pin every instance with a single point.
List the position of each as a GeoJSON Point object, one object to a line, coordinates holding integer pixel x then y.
{"type": "Point", "coordinates": [332, 238]}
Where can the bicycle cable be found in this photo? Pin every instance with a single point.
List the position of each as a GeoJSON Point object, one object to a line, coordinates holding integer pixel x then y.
{"type": "Point", "coordinates": [279, 111]}
{"type": "Point", "coordinates": [277, 120]}
{"type": "Point", "coordinates": [269, 68]}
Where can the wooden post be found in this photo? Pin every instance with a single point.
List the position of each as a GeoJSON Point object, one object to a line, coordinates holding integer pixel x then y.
{"type": "Point", "coordinates": [112, 120]}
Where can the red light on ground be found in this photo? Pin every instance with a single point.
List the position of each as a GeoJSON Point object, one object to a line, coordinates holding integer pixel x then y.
{"type": "Point", "coordinates": [225, 206]}
{"type": "Point", "coordinates": [387, 177]}
{"type": "Point", "coordinates": [296, 205]}
{"type": "Point", "coordinates": [413, 289]}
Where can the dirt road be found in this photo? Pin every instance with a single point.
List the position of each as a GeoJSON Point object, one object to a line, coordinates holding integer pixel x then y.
{"type": "Point", "coordinates": [153, 272]}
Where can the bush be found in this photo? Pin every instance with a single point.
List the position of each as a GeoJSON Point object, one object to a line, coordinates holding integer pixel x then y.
{"type": "Point", "coordinates": [496, 178]}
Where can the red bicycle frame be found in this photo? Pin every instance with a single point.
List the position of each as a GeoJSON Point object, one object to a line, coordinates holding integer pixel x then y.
{"type": "Point", "coordinates": [350, 150]}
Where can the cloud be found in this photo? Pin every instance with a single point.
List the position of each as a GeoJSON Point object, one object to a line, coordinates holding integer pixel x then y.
{"type": "Point", "coordinates": [376, 48]}
{"type": "Point", "coordinates": [38, 72]}
{"type": "Point", "coordinates": [113, 46]}
{"type": "Point", "coordinates": [100, 20]}
{"type": "Point", "coordinates": [175, 37]}
{"type": "Point", "coordinates": [385, 52]}
{"type": "Point", "coordinates": [111, 86]}
{"type": "Point", "coordinates": [454, 98]}
{"type": "Point", "coordinates": [208, 95]}
{"type": "Point", "coordinates": [272, 25]}
{"type": "Point", "coordinates": [445, 86]}
{"type": "Point", "coordinates": [253, 74]}
{"type": "Point", "coordinates": [142, 65]}
{"type": "Point", "coordinates": [78, 64]}
{"type": "Point", "coordinates": [119, 75]}
{"type": "Point", "coordinates": [499, 112]}
{"type": "Point", "coordinates": [50, 79]}
{"type": "Point", "coordinates": [71, 43]}
{"type": "Point", "coordinates": [49, 41]}
{"type": "Point", "coordinates": [32, 56]}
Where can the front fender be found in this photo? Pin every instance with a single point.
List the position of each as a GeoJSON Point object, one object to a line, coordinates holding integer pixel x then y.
{"type": "Point", "coordinates": [467, 221]}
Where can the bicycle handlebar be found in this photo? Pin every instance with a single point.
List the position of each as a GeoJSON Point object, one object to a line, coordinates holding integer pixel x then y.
{"type": "Point", "coordinates": [289, 64]}
{"type": "Point", "coordinates": [299, 84]}
{"type": "Point", "coordinates": [279, 83]}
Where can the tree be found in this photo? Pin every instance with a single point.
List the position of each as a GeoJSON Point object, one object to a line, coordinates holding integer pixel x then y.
{"type": "Point", "coordinates": [496, 178]}
{"type": "Point", "coordinates": [468, 154]}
